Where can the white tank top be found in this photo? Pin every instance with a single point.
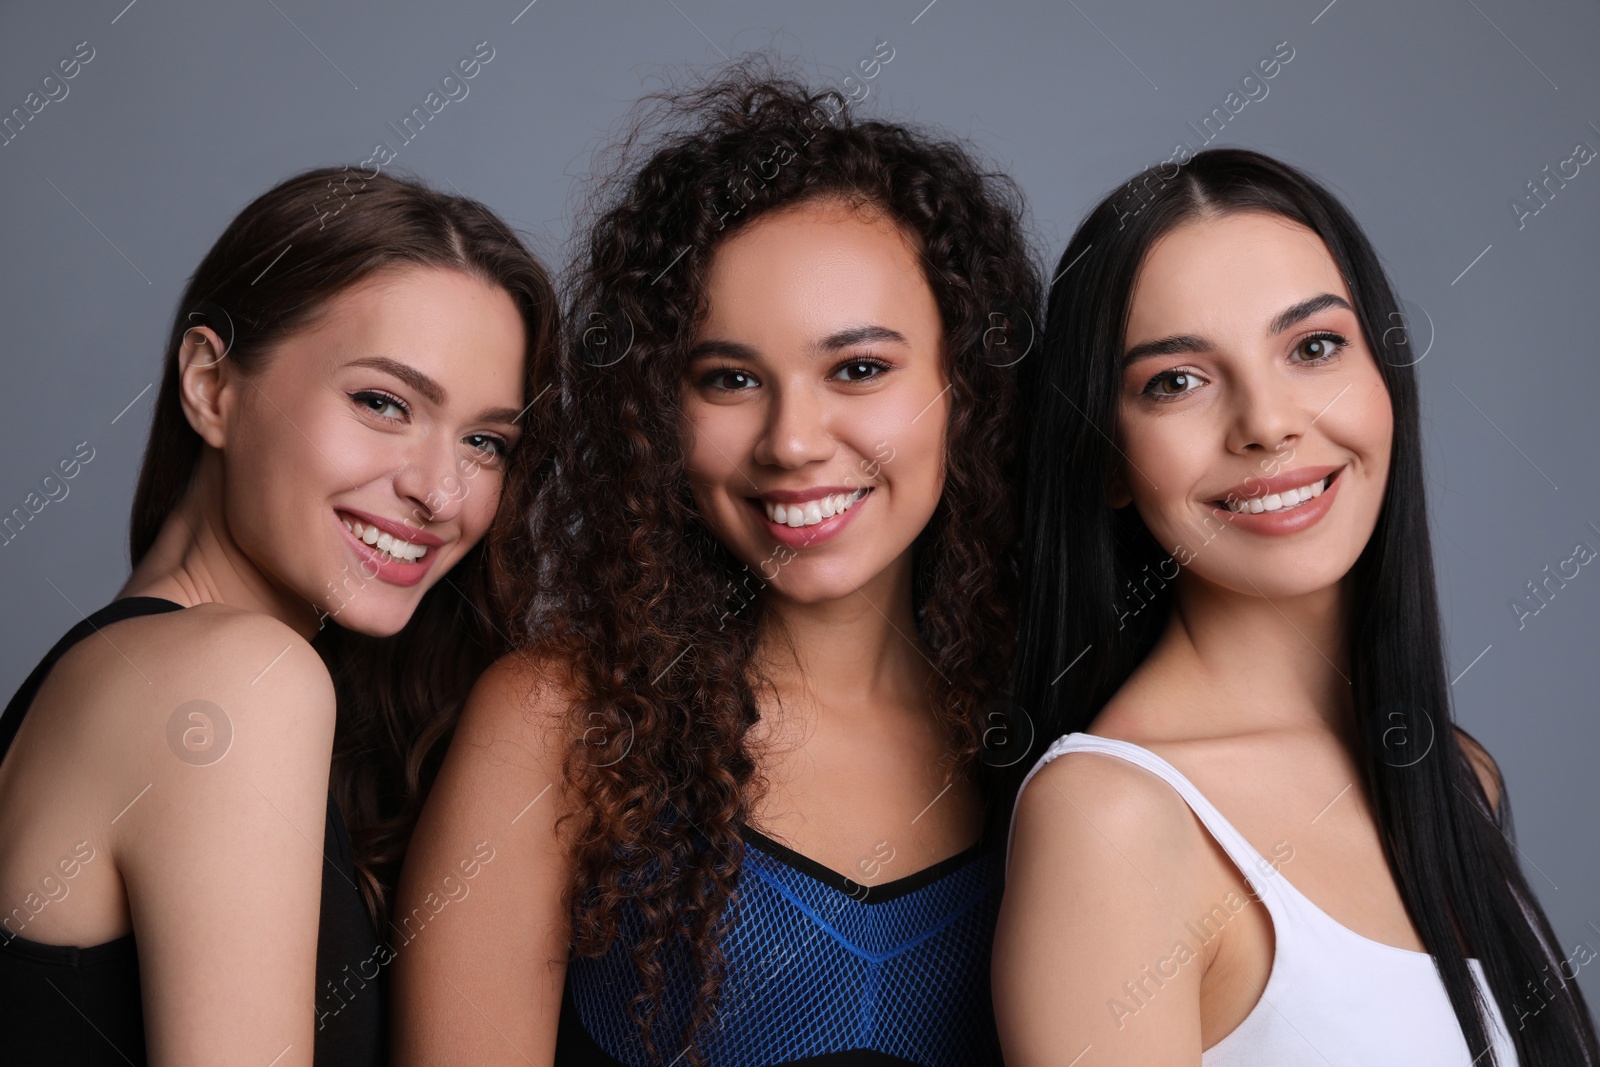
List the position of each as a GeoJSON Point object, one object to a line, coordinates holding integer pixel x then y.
{"type": "Point", "coordinates": [1333, 997]}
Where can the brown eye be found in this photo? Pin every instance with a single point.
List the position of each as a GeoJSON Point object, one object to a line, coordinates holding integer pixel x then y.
{"type": "Point", "coordinates": [1172, 383]}
{"type": "Point", "coordinates": [1320, 348]}
{"type": "Point", "coordinates": [860, 370]}
{"type": "Point", "coordinates": [727, 379]}
{"type": "Point", "coordinates": [376, 402]}
{"type": "Point", "coordinates": [490, 445]}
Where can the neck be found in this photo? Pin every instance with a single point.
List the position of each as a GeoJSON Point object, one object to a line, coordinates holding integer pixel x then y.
{"type": "Point", "coordinates": [852, 654]}
{"type": "Point", "coordinates": [1268, 664]}
{"type": "Point", "coordinates": [195, 559]}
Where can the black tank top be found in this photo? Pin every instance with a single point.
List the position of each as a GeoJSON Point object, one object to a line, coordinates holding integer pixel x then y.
{"type": "Point", "coordinates": [65, 1004]}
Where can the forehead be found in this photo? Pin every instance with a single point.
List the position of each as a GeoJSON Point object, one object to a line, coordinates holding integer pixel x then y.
{"type": "Point", "coordinates": [815, 263]}
{"type": "Point", "coordinates": [1229, 271]}
{"type": "Point", "coordinates": [450, 324]}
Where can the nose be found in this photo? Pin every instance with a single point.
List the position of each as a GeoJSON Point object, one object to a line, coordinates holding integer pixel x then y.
{"type": "Point", "coordinates": [1268, 414]}
{"type": "Point", "coordinates": [796, 430]}
{"type": "Point", "coordinates": [430, 481]}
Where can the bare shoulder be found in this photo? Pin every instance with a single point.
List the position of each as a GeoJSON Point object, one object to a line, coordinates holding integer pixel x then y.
{"type": "Point", "coordinates": [1080, 803]}
{"type": "Point", "coordinates": [498, 797]}
{"type": "Point", "coordinates": [520, 702]}
{"type": "Point", "coordinates": [508, 751]}
{"type": "Point", "coordinates": [208, 645]}
{"type": "Point", "coordinates": [1484, 764]}
{"type": "Point", "coordinates": [1106, 864]}
{"type": "Point", "coordinates": [148, 688]}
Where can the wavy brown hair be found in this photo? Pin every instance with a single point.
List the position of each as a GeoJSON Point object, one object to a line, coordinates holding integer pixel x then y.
{"type": "Point", "coordinates": [624, 583]}
{"type": "Point", "coordinates": [273, 271]}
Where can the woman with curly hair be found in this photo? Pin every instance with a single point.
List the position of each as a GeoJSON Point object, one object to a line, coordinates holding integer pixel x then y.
{"type": "Point", "coordinates": [733, 779]}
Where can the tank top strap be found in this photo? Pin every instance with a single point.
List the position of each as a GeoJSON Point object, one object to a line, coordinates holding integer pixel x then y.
{"type": "Point", "coordinates": [116, 611]}
{"type": "Point", "coordinates": [1257, 869]}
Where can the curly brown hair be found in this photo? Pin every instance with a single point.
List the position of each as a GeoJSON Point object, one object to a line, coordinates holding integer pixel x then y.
{"type": "Point", "coordinates": [618, 576]}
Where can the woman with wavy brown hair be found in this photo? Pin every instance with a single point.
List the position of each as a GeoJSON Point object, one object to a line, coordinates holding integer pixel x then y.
{"type": "Point", "coordinates": [206, 784]}
{"type": "Point", "coordinates": [731, 783]}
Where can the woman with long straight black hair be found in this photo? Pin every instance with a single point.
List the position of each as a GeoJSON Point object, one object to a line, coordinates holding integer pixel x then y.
{"type": "Point", "coordinates": [1229, 590]}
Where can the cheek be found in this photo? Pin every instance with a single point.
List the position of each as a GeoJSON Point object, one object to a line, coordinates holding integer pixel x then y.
{"type": "Point", "coordinates": [717, 436]}
{"type": "Point", "coordinates": [1365, 426]}
{"type": "Point", "coordinates": [480, 493]}
{"type": "Point", "coordinates": [1161, 467]}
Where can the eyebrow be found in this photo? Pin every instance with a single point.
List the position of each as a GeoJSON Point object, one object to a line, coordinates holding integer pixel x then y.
{"type": "Point", "coordinates": [430, 389]}
{"type": "Point", "coordinates": [1179, 343]}
{"type": "Point", "coordinates": [834, 342]}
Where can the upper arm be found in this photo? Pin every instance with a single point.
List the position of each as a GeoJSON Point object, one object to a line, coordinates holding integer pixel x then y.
{"type": "Point", "coordinates": [1487, 770]}
{"type": "Point", "coordinates": [221, 850]}
{"type": "Point", "coordinates": [1102, 872]}
{"type": "Point", "coordinates": [481, 948]}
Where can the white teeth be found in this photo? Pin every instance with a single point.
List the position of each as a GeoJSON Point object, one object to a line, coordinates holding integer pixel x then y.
{"type": "Point", "coordinates": [387, 543]}
{"type": "Point", "coordinates": [812, 511]}
{"type": "Point", "coordinates": [1289, 498]}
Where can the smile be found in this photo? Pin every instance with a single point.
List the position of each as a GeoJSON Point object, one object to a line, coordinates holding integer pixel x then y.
{"type": "Point", "coordinates": [396, 549]}
{"type": "Point", "coordinates": [1285, 500]}
{"type": "Point", "coordinates": [812, 512]}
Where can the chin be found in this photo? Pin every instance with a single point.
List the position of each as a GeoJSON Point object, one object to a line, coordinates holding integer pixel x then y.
{"type": "Point", "coordinates": [371, 620]}
{"type": "Point", "coordinates": [1287, 581]}
{"type": "Point", "coordinates": [816, 588]}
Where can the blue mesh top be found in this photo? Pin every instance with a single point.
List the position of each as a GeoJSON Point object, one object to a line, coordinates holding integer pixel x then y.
{"type": "Point", "coordinates": [820, 970]}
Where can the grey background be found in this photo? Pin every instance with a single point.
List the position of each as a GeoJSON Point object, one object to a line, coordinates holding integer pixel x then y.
{"type": "Point", "coordinates": [1426, 116]}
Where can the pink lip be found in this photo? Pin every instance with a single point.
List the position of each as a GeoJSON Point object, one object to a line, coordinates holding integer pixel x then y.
{"type": "Point", "coordinates": [1279, 523]}
{"type": "Point", "coordinates": [1254, 486]}
{"type": "Point", "coordinates": [393, 571]}
{"type": "Point", "coordinates": [800, 496]}
{"type": "Point", "coordinates": [809, 536]}
{"type": "Point", "coordinates": [403, 530]}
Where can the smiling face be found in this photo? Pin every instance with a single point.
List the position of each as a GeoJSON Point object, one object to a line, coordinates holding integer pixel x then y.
{"type": "Point", "coordinates": [1253, 417]}
{"type": "Point", "coordinates": [387, 417]}
{"type": "Point", "coordinates": [817, 400]}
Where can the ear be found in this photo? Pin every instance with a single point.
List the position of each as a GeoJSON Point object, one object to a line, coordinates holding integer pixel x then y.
{"type": "Point", "coordinates": [205, 383]}
{"type": "Point", "coordinates": [1118, 495]}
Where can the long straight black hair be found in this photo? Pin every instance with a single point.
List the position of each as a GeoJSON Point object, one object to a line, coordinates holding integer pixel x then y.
{"type": "Point", "coordinates": [1084, 565]}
